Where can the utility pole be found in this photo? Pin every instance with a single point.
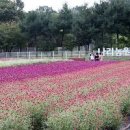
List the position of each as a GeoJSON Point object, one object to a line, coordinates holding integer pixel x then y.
{"type": "Point", "coordinates": [62, 38]}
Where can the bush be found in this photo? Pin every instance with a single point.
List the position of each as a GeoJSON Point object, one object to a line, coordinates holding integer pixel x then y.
{"type": "Point", "coordinates": [35, 119]}
{"type": "Point", "coordinates": [64, 121]}
{"type": "Point", "coordinates": [15, 122]}
{"type": "Point", "coordinates": [91, 116]}
{"type": "Point", "coordinates": [38, 118]}
{"type": "Point", "coordinates": [125, 107]}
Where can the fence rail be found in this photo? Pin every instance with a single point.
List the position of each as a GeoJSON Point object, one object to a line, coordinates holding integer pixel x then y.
{"type": "Point", "coordinates": [65, 54]}
{"type": "Point", "coordinates": [52, 54]}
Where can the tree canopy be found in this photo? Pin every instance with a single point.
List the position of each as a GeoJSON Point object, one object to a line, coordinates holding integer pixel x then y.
{"type": "Point", "coordinates": [105, 24]}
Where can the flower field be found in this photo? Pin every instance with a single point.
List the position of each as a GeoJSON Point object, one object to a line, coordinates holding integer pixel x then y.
{"type": "Point", "coordinates": [71, 95]}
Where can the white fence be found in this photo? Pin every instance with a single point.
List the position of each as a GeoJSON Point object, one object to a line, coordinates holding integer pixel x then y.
{"type": "Point", "coordinates": [52, 54]}
{"type": "Point", "coordinates": [64, 54]}
{"type": "Point", "coordinates": [115, 52]}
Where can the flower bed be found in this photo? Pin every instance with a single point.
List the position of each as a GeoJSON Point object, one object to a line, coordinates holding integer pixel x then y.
{"type": "Point", "coordinates": [74, 95]}
{"type": "Point", "coordinates": [78, 59]}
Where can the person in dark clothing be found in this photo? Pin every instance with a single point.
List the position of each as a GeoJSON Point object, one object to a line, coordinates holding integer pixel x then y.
{"type": "Point", "coordinates": [97, 57]}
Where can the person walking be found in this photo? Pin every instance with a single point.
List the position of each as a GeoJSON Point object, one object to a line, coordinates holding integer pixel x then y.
{"type": "Point", "coordinates": [101, 56]}
{"type": "Point", "coordinates": [97, 57]}
{"type": "Point", "coordinates": [91, 58]}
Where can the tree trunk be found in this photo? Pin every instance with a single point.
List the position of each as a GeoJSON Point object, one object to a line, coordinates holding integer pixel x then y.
{"type": "Point", "coordinates": [117, 40]}
{"type": "Point", "coordinates": [110, 41]}
{"type": "Point", "coordinates": [62, 39]}
{"type": "Point", "coordinates": [102, 38]}
{"type": "Point", "coordinates": [88, 46]}
{"type": "Point", "coordinates": [78, 47]}
{"type": "Point", "coordinates": [35, 38]}
{"type": "Point", "coordinates": [6, 49]}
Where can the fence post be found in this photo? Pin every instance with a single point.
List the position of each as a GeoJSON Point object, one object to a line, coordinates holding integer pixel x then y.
{"type": "Point", "coordinates": [41, 55]}
{"type": "Point", "coordinates": [29, 56]}
{"type": "Point", "coordinates": [6, 54]}
{"type": "Point", "coordinates": [103, 51]}
{"type": "Point", "coordinates": [66, 55]}
{"type": "Point", "coordinates": [53, 54]}
{"type": "Point", "coordinates": [116, 51]}
{"type": "Point", "coordinates": [79, 54]}
{"type": "Point", "coordinates": [112, 51]}
{"type": "Point", "coordinates": [126, 52]}
{"type": "Point", "coordinates": [17, 55]}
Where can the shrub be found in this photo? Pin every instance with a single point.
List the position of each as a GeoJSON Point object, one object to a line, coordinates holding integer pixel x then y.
{"type": "Point", "coordinates": [125, 102]}
{"type": "Point", "coordinates": [64, 121]}
{"type": "Point", "coordinates": [15, 122]}
{"type": "Point", "coordinates": [125, 107]}
{"type": "Point", "coordinates": [91, 116]}
{"type": "Point", "coordinates": [38, 117]}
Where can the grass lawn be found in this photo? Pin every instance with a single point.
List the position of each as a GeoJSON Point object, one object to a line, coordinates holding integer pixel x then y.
{"type": "Point", "coordinates": [15, 62]}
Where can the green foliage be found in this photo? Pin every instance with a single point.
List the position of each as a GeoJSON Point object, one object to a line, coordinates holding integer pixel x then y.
{"type": "Point", "coordinates": [10, 10]}
{"type": "Point", "coordinates": [106, 24]}
{"type": "Point", "coordinates": [83, 25]}
{"type": "Point", "coordinates": [45, 44]}
{"type": "Point", "coordinates": [7, 11]}
{"type": "Point", "coordinates": [69, 42]}
{"type": "Point", "coordinates": [63, 121]}
{"type": "Point", "coordinates": [40, 28]}
{"type": "Point", "coordinates": [125, 107]}
{"type": "Point", "coordinates": [38, 118]}
{"type": "Point", "coordinates": [11, 36]}
{"type": "Point", "coordinates": [15, 122]}
{"type": "Point", "coordinates": [90, 116]}
{"type": "Point", "coordinates": [65, 19]}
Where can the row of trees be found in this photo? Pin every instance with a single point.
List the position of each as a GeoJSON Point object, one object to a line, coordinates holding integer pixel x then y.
{"type": "Point", "coordinates": [106, 24]}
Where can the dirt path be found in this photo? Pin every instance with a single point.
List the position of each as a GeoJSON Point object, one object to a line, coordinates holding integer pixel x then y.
{"type": "Point", "coordinates": [126, 124]}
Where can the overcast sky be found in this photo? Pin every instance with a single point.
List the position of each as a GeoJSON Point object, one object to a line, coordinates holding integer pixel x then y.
{"type": "Point", "coordinates": [55, 4]}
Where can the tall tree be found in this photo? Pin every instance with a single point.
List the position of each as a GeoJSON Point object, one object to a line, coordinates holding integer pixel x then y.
{"type": "Point", "coordinates": [11, 10]}
{"type": "Point", "coordinates": [11, 37]}
{"type": "Point", "coordinates": [116, 18]}
{"type": "Point", "coordinates": [83, 25]}
{"type": "Point", "coordinates": [100, 22]}
{"type": "Point", "coordinates": [39, 25]}
{"type": "Point", "coordinates": [65, 22]}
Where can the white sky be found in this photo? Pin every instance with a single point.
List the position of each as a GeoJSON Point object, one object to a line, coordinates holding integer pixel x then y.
{"type": "Point", "coordinates": [55, 4]}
